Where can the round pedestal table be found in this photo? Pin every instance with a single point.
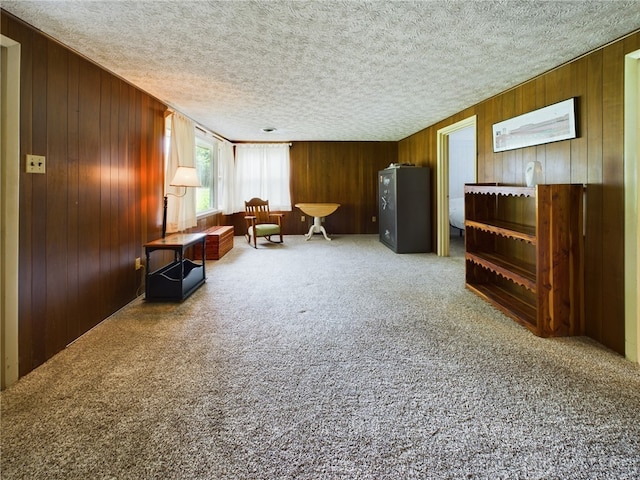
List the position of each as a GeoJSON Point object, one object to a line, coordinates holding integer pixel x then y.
{"type": "Point", "coordinates": [318, 211]}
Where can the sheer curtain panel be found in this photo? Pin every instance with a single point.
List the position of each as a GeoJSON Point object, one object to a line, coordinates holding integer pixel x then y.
{"type": "Point", "coordinates": [181, 210]}
{"type": "Point", "coordinates": [262, 170]}
{"type": "Point", "coordinates": [227, 175]}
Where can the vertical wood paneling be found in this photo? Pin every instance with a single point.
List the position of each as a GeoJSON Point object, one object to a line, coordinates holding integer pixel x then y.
{"type": "Point", "coordinates": [38, 145]}
{"type": "Point", "coordinates": [125, 255]}
{"type": "Point", "coordinates": [104, 192]}
{"type": "Point", "coordinates": [494, 164]}
{"type": "Point", "coordinates": [114, 220]}
{"type": "Point", "coordinates": [578, 154]}
{"type": "Point", "coordinates": [594, 268]}
{"type": "Point", "coordinates": [89, 194]}
{"type": "Point", "coordinates": [504, 168]}
{"type": "Point", "coordinates": [127, 204]}
{"type": "Point", "coordinates": [613, 193]}
{"type": "Point", "coordinates": [483, 135]}
{"type": "Point", "coordinates": [497, 166]}
{"type": "Point", "coordinates": [529, 103]}
{"type": "Point", "coordinates": [595, 158]}
{"type": "Point", "coordinates": [517, 167]}
{"type": "Point", "coordinates": [541, 102]}
{"type": "Point", "coordinates": [74, 220]}
{"type": "Point", "coordinates": [340, 172]}
{"type": "Point", "coordinates": [153, 174]}
{"type": "Point", "coordinates": [56, 219]}
{"type": "Point", "coordinates": [82, 223]}
{"type": "Point", "coordinates": [136, 189]}
{"type": "Point", "coordinates": [557, 89]}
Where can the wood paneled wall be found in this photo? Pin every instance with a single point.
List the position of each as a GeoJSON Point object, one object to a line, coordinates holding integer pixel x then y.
{"type": "Point", "coordinates": [336, 172]}
{"type": "Point", "coordinates": [83, 223]}
{"type": "Point", "coordinates": [595, 159]}
{"type": "Point", "coordinates": [340, 172]}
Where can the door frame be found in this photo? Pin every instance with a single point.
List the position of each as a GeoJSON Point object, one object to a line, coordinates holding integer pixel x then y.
{"type": "Point", "coordinates": [442, 180]}
{"type": "Point", "coordinates": [9, 209]}
{"type": "Point", "coordinates": [632, 206]}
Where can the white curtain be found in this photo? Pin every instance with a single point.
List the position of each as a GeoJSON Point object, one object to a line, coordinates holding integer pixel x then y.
{"type": "Point", "coordinates": [262, 170]}
{"type": "Point", "coordinates": [181, 210]}
{"type": "Point", "coordinates": [226, 171]}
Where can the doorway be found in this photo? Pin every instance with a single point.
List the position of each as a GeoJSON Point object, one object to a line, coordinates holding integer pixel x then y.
{"type": "Point", "coordinates": [632, 206]}
{"type": "Point", "coordinates": [9, 211]}
{"type": "Point", "coordinates": [449, 144]}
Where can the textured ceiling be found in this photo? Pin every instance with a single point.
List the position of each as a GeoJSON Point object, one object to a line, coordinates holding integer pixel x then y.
{"type": "Point", "coordinates": [327, 70]}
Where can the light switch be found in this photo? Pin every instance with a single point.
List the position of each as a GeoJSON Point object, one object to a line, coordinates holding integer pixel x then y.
{"type": "Point", "coordinates": [35, 164]}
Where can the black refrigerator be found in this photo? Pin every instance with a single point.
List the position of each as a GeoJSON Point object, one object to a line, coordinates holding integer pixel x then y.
{"type": "Point", "coordinates": [404, 205]}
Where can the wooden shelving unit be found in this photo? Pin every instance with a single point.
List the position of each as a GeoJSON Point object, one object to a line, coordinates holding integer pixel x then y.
{"type": "Point", "coordinates": [524, 249]}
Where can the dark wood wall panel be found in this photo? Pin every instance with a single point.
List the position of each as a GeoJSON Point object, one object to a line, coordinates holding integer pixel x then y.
{"type": "Point", "coordinates": [104, 198]}
{"type": "Point", "coordinates": [56, 214]}
{"type": "Point", "coordinates": [578, 154]}
{"type": "Point", "coordinates": [613, 192]}
{"type": "Point", "coordinates": [593, 247]}
{"type": "Point", "coordinates": [73, 179]}
{"type": "Point", "coordinates": [340, 172]}
{"type": "Point", "coordinates": [38, 183]}
{"type": "Point", "coordinates": [595, 159]}
{"type": "Point", "coordinates": [88, 199]}
{"type": "Point", "coordinates": [335, 172]}
{"type": "Point", "coordinates": [84, 222]}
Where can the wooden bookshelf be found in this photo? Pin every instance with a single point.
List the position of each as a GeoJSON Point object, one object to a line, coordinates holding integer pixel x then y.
{"type": "Point", "coordinates": [524, 249]}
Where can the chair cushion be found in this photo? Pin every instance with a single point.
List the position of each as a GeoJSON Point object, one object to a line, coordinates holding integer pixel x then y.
{"type": "Point", "coordinates": [265, 229]}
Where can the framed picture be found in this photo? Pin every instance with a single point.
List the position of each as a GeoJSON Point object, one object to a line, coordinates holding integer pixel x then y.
{"type": "Point", "coordinates": [549, 124]}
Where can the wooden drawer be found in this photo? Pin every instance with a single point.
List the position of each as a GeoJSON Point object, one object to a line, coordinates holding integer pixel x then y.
{"type": "Point", "coordinates": [219, 241]}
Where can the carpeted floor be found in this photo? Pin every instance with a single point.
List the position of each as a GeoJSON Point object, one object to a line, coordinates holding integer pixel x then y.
{"type": "Point", "coordinates": [324, 360]}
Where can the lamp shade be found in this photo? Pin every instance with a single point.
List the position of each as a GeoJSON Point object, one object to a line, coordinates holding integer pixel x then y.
{"type": "Point", "coordinates": [185, 177]}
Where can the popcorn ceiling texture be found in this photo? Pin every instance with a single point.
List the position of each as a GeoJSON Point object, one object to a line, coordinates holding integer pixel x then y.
{"type": "Point", "coordinates": [328, 70]}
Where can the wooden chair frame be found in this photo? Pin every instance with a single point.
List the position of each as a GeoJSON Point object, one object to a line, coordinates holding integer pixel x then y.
{"type": "Point", "coordinates": [261, 222]}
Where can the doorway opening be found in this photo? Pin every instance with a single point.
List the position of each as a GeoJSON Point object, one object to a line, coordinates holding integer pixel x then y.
{"type": "Point", "coordinates": [9, 210]}
{"type": "Point", "coordinates": [456, 149]}
{"type": "Point", "coordinates": [632, 206]}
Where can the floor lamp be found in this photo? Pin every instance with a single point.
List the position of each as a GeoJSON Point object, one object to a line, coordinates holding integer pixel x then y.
{"type": "Point", "coordinates": [184, 177]}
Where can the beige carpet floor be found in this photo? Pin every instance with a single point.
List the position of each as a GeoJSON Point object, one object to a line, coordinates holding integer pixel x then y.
{"type": "Point", "coordinates": [324, 360]}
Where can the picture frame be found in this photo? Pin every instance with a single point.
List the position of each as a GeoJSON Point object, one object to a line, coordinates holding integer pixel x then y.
{"type": "Point", "coordinates": [548, 124]}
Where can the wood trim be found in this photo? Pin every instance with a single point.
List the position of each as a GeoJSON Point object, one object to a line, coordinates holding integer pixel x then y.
{"type": "Point", "coordinates": [442, 180]}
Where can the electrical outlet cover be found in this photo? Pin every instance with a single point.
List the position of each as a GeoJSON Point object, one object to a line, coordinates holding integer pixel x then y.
{"type": "Point", "coordinates": [35, 164]}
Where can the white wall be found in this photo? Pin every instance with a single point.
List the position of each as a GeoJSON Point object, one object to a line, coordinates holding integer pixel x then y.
{"type": "Point", "coordinates": [462, 160]}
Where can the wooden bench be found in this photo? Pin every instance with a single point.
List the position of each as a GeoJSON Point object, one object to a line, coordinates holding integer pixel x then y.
{"type": "Point", "coordinates": [219, 241]}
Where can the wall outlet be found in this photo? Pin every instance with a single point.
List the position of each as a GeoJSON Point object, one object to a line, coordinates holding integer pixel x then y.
{"type": "Point", "coordinates": [373, 219]}
{"type": "Point", "coordinates": [302, 218]}
{"type": "Point", "coordinates": [138, 264]}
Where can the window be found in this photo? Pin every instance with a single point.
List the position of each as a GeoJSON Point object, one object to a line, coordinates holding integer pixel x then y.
{"type": "Point", "coordinates": [207, 167]}
{"type": "Point", "coordinates": [206, 163]}
{"type": "Point", "coordinates": [262, 170]}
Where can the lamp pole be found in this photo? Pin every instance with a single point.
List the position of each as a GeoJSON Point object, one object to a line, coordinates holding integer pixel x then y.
{"type": "Point", "coordinates": [164, 217]}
